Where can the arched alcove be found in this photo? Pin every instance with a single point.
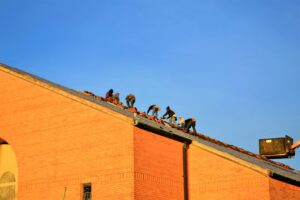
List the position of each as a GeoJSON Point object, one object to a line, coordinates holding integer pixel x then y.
{"type": "Point", "coordinates": [8, 172]}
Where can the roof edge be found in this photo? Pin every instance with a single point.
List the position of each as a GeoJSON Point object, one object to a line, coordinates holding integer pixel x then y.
{"type": "Point", "coordinates": [125, 115]}
{"type": "Point", "coordinates": [160, 130]}
{"type": "Point", "coordinates": [64, 91]}
{"type": "Point", "coordinates": [285, 179]}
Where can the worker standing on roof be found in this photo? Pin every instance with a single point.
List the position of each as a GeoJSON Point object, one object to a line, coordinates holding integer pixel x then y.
{"type": "Point", "coordinates": [109, 95]}
{"type": "Point", "coordinates": [130, 100]}
{"type": "Point", "coordinates": [188, 123]}
{"type": "Point", "coordinates": [170, 115]}
{"type": "Point", "coordinates": [155, 109]}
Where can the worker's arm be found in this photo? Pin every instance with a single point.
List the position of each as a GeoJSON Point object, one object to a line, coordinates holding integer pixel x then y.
{"type": "Point", "coordinates": [295, 145]}
{"type": "Point", "coordinates": [164, 116]}
{"type": "Point", "coordinates": [150, 108]}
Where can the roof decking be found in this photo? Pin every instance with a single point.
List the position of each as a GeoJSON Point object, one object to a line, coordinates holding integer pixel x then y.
{"type": "Point", "coordinates": [274, 169]}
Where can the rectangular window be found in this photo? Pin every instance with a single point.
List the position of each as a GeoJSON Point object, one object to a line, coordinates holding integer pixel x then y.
{"type": "Point", "coordinates": [87, 191]}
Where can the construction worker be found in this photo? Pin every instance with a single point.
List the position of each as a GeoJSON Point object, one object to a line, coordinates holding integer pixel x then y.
{"type": "Point", "coordinates": [188, 123]}
{"type": "Point", "coordinates": [296, 145]}
{"type": "Point", "coordinates": [155, 109]}
{"type": "Point", "coordinates": [116, 97]}
{"type": "Point", "coordinates": [181, 122]}
{"type": "Point", "coordinates": [130, 100]}
{"type": "Point", "coordinates": [109, 95]}
{"type": "Point", "coordinates": [170, 115]}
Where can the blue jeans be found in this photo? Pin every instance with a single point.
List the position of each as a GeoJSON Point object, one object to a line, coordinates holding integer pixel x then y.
{"type": "Point", "coordinates": [154, 112]}
{"type": "Point", "coordinates": [130, 103]}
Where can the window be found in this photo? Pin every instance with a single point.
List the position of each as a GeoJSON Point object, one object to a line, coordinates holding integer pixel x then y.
{"type": "Point", "coordinates": [87, 191]}
{"type": "Point", "coordinates": [8, 172]}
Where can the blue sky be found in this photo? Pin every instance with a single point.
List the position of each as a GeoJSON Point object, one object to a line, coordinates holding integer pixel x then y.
{"type": "Point", "coordinates": [233, 65]}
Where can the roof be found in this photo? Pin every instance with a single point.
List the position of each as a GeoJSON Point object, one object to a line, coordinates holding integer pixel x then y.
{"type": "Point", "coordinates": [274, 169]}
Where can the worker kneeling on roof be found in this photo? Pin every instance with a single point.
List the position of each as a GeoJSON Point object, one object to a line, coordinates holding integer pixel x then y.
{"type": "Point", "coordinates": [188, 123]}
{"type": "Point", "coordinates": [116, 97]}
{"type": "Point", "coordinates": [109, 95]}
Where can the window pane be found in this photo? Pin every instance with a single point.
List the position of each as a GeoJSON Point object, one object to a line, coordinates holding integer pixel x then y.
{"type": "Point", "coordinates": [87, 191]}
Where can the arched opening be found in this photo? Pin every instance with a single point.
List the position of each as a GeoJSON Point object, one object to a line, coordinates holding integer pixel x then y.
{"type": "Point", "coordinates": [8, 172]}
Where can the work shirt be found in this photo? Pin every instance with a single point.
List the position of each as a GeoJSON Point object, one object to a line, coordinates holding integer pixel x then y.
{"type": "Point", "coordinates": [153, 107]}
{"type": "Point", "coordinates": [130, 97]}
{"type": "Point", "coordinates": [170, 113]}
{"type": "Point", "coordinates": [190, 120]}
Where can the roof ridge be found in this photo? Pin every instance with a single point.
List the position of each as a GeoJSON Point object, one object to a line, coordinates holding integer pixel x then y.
{"type": "Point", "coordinates": [278, 169]}
{"type": "Point", "coordinates": [200, 135]}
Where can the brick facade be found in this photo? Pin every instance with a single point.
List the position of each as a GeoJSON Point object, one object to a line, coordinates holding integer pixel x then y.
{"type": "Point", "coordinates": [62, 141]}
{"type": "Point", "coordinates": [158, 167]}
{"type": "Point", "coordinates": [280, 190]}
{"type": "Point", "coordinates": [214, 177]}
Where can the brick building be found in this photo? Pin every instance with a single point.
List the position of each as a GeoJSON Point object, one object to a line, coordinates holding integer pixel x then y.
{"type": "Point", "coordinates": [58, 143]}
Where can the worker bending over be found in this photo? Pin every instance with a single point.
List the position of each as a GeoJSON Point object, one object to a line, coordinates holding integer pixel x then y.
{"type": "Point", "coordinates": [154, 109]}
{"type": "Point", "coordinates": [170, 114]}
{"type": "Point", "coordinates": [188, 123]}
{"type": "Point", "coordinates": [130, 100]}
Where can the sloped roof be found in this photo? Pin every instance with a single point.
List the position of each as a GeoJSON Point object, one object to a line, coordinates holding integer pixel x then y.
{"type": "Point", "coordinates": [274, 169]}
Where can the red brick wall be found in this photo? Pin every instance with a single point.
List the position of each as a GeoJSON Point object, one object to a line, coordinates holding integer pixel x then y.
{"type": "Point", "coordinates": [158, 167]}
{"type": "Point", "coordinates": [214, 177]}
{"type": "Point", "coordinates": [280, 190]}
{"type": "Point", "coordinates": [60, 142]}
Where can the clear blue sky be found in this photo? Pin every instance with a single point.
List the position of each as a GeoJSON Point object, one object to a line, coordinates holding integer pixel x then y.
{"type": "Point", "coordinates": [234, 65]}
